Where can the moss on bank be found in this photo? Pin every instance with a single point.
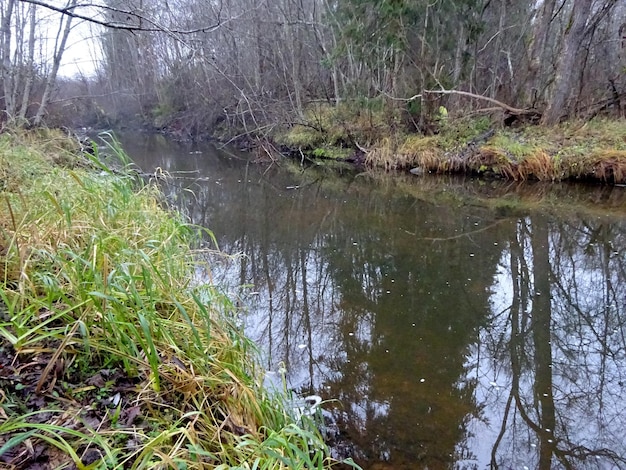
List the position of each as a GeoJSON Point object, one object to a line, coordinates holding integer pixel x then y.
{"type": "Point", "coordinates": [110, 355]}
{"type": "Point", "coordinates": [584, 151]}
{"type": "Point", "coordinates": [594, 151]}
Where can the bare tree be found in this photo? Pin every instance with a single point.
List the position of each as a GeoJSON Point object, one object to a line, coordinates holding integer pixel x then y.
{"type": "Point", "coordinates": [7, 70]}
{"type": "Point", "coordinates": [61, 40]}
{"type": "Point", "coordinates": [250, 65]}
{"type": "Point", "coordinates": [564, 77]}
{"type": "Point", "coordinates": [30, 65]}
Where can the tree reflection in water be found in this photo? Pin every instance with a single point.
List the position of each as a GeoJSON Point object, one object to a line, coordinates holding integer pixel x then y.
{"type": "Point", "coordinates": [452, 336]}
{"type": "Point", "coordinates": [557, 330]}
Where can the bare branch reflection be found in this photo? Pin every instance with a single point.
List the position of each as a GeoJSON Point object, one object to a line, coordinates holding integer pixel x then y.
{"type": "Point", "coordinates": [452, 336]}
{"type": "Point", "coordinates": [566, 374]}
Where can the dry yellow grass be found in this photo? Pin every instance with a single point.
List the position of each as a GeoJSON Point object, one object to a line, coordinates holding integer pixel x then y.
{"type": "Point", "coordinates": [414, 151]}
{"type": "Point", "coordinates": [539, 165]}
{"type": "Point", "coordinates": [100, 303]}
{"type": "Point", "coordinates": [589, 151]}
{"type": "Point", "coordinates": [609, 165]}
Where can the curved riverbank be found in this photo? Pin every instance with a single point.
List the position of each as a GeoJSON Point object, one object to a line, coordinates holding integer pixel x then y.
{"type": "Point", "coordinates": [586, 151]}
{"type": "Point", "coordinates": [114, 352]}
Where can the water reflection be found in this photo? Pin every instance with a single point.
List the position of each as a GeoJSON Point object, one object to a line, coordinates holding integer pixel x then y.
{"type": "Point", "coordinates": [554, 368]}
{"type": "Point", "coordinates": [452, 336]}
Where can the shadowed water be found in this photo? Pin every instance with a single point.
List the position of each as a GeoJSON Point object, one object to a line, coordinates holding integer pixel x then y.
{"type": "Point", "coordinates": [451, 333]}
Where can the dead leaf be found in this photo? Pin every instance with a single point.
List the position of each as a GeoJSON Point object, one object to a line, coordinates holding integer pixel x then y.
{"type": "Point", "coordinates": [130, 414]}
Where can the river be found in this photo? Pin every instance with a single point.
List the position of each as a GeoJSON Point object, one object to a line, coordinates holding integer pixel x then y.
{"type": "Point", "coordinates": [450, 323]}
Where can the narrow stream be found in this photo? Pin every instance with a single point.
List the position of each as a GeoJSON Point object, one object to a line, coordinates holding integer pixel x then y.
{"type": "Point", "coordinates": [446, 334]}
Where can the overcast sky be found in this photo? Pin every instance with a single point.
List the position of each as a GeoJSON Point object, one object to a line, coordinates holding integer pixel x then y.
{"type": "Point", "coordinates": [82, 50]}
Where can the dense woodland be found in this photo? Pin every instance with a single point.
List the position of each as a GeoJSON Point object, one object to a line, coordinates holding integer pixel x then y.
{"type": "Point", "coordinates": [249, 66]}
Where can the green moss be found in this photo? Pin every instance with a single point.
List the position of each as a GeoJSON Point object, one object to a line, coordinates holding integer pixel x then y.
{"type": "Point", "coordinates": [513, 145]}
{"type": "Point", "coordinates": [458, 132]}
{"type": "Point", "coordinates": [331, 153]}
{"type": "Point", "coordinates": [325, 125]}
{"type": "Point", "coordinates": [414, 144]}
{"type": "Point", "coordinates": [302, 137]}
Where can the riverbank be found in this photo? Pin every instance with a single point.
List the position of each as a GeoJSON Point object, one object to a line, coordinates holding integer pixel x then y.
{"type": "Point", "coordinates": [115, 350]}
{"type": "Point", "coordinates": [592, 150]}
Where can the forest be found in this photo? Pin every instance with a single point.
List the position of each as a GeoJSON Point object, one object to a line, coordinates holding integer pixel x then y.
{"type": "Point", "coordinates": [259, 68]}
{"type": "Point", "coordinates": [114, 352]}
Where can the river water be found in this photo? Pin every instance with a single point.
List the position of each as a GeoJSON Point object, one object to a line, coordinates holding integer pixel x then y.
{"type": "Point", "coordinates": [451, 323]}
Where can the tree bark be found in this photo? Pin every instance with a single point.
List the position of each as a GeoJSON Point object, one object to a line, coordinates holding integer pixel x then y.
{"type": "Point", "coordinates": [30, 71]}
{"type": "Point", "coordinates": [9, 106]}
{"type": "Point", "coordinates": [538, 44]}
{"type": "Point", "coordinates": [574, 34]}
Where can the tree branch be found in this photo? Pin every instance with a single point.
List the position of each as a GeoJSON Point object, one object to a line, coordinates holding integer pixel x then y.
{"type": "Point", "coordinates": [137, 19]}
{"type": "Point", "coordinates": [500, 104]}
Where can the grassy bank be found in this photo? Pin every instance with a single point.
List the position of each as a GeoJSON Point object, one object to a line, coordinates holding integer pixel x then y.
{"type": "Point", "coordinates": [581, 151]}
{"type": "Point", "coordinates": [111, 356]}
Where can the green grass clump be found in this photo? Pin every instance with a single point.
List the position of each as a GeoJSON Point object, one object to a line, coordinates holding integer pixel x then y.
{"type": "Point", "coordinates": [111, 356]}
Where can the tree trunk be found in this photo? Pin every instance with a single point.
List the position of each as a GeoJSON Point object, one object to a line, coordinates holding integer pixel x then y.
{"type": "Point", "coordinates": [497, 76]}
{"type": "Point", "coordinates": [9, 106]}
{"type": "Point", "coordinates": [30, 71]}
{"type": "Point", "coordinates": [58, 55]}
{"type": "Point", "coordinates": [574, 34]}
{"type": "Point", "coordinates": [538, 45]}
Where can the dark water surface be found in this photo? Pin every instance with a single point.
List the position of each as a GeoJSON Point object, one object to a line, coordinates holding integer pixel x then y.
{"type": "Point", "coordinates": [454, 334]}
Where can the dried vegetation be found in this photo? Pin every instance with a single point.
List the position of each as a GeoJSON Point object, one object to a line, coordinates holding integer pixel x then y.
{"type": "Point", "coordinates": [594, 151]}
{"type": "Point", "coordinates": [110, 356]}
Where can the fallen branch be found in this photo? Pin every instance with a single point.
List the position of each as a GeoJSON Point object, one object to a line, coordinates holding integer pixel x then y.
{"type": "Point", "coordinates": [500, 104]}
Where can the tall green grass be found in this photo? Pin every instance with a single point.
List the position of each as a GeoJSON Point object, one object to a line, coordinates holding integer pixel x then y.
{"type": "Point", "coordinates": [118, 359]}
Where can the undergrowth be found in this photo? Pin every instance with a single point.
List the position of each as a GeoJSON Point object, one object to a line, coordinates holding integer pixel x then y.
{"type": "Point", "coordinates": [110, 355]}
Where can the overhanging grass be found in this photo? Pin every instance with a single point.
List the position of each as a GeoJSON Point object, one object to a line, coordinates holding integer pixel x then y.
{"type": "Point", "coordinates": [590, 151]}
{"type": "Point", "coordinates": [594, 151]}
{"type": "Point", "coordinates": [111, 357]}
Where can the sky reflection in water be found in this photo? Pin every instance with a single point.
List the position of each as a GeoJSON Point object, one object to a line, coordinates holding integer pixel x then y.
{"type": "Point", "coordinates": [452, 335]}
